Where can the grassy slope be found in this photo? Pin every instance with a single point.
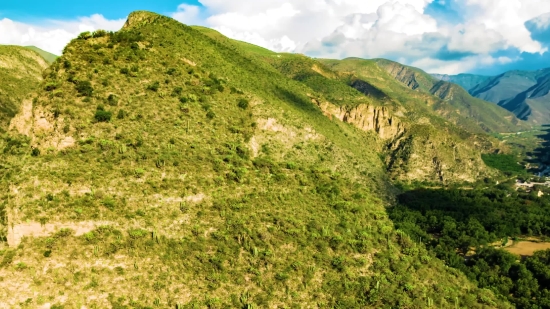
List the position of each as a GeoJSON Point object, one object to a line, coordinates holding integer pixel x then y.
{"type": "Point", "coordinates": [473, 114]}
{"type": "Point", "coordinates": [20, 74]}
{"type": "Point", "coordinates": [427, 139]}
{"type": "Point", "coordinates": [49, 57]}
{"type": "Point", "coordinates": [270, 204]}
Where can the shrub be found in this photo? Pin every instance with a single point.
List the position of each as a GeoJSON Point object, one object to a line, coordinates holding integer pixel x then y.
{"type": "Point", "coordinates": [177, 91]}
{"type": "Point", "coordinates": [112, 100]}
{"type": "Point", "coordinates": [35, 152]}
{"type": "Point", "coordinates": [99, 33]}
{"type": "Point", "coordinates": [124, 71]}
{"type": "Point", "coordinates": [101, 115]}
{"type": "Point", "coordinates": [121, 114]}
{"type": "Point", "coordinates": [171, 71]}
{"type": "Point", "coordinates": [243, 103]}
{"type": "Point", "coordinates": [50, 86]}
{"type": "Point", "coordinates": [84, 88]}
{"type": "Point", "coordinates": [84, 35]}
{"type": "Point", "coordinates": [210, 115]}
{"type": "Point", "coordinates": [154, 86]}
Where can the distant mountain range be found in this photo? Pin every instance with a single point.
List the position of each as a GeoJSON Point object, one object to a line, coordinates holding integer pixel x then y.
{"type": "Point", "coordinates": [525, 93]}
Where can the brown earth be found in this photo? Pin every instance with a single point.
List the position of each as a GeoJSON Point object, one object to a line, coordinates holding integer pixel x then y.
{"type": "Point", "coordinates": [527, 248]}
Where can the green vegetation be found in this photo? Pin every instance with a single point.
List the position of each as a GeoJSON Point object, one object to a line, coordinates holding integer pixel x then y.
{"type": "Point", "coordinates": [20, 75]}
{"type": "Point", "coordinates": [218, 170]}
{"type": "Point", "coordinates": [453, 222]}
{"type": "Point", "coordinates": [429, 95]}
{"type": "Point", "coordinates": [503, 162]}
{"type": "Point", "coordinates": [49, 57]}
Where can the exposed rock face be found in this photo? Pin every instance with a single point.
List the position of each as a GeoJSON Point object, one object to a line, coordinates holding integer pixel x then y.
{"type": "Point", "coordinates": [137, 18]}
{"type": "Point", "coordinates": [404, 75]}
{"type": "Point", "coordinates": [367, 118]}
{"type": "Point", "coordinates": [42, 127]}
{"type": "Point", "coordinates": [421, 153]}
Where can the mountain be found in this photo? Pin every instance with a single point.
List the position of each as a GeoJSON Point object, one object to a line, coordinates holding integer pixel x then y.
{"type": "Point", "coordinates": [20, 75]}
{"type": "Point", "coordinates": [466, 81]}
{"type": "Point", "coordinates": [525, 93]}
{"type": "Point", "coordinates": [162, 166]}
{"type": "Point", "coordinates": [49, 57]}
{"type": "Point", "coordinates": [422, 157]}
{"type": "Point", "coordinates": [474, 112]}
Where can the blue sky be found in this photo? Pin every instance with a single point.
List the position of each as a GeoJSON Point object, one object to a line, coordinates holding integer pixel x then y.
{"type": "Point", "coordinates": [444, 36]}
{"type": "Point", "coordinates": [33, 10]}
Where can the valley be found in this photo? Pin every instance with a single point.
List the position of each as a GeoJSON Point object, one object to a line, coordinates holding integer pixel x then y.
{"type": "Point", "coordinates": [169, 166]}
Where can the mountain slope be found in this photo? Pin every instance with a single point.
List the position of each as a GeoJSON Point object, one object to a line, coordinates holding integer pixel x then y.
{"type": "Point", "coordinates": [525, 93]}
{"type": "Point", "coordinates": [20, 74]}
{"type": "Point", "coordinates": [431, 155]}
{"type": "Point", "coordinates": [176, 158]}
{"type": "Point", "coordinates": [474, 112]}
{"type": "Point", "coordinates": [466, 81]}
{"type": "Point", "coordinates": [49, 57]}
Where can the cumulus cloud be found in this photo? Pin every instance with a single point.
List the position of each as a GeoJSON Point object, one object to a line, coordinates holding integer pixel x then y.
{"type": "Point", "coordinates": [542, 22]}
{"type": "Point", "coordinates": [409, 31]}
{"type": "Point", "coordinates": [397, 29]}
{"type": "Point", "coordinates": [53, 35]}
{"type": "Point", "coordinates": [188, 14]}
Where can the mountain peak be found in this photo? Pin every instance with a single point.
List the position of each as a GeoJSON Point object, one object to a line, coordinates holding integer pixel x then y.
{"type": "Point", "coordinates": [139, 18]}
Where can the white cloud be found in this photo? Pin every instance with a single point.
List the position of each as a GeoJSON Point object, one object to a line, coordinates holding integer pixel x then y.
{"type": "Point", "coordinates": [508, 18]}
{"type": "Point", "coordinates": [396, 29]}
{"type": "Point", "coordinates": [187, 14]}
{"type": "Point", "coordinates": [53, 35]}
{"type": "Point", "coordinates": [475, 38]}
{"type": "Point", "coordinates": [542, 22]}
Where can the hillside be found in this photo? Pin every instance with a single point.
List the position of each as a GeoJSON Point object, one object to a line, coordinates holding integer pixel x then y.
{"type": "Point", "coordinates": [466, 81]}
{"type": "Point", "coordinates": [49, 57]}
{"type": "Point", "coordinates": [412, 151]}
{"type": "Point", "coordinates": [415, 147]}
{"type": "Point", "coordinates": [190, 174]}
{"type": "Point", "coordinates": [524, 93]}
{"type": "Point", "coordinates": [20, 74]}
{"type": "Point", "coordinates": [474, 112]}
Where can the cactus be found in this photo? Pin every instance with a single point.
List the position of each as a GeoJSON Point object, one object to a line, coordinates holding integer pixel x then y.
{"type": "Point", "coordinates": [244, 297]}
{"type": "Point", "coordinates": [122, 149]}
{"type": "Point", "coordinates": [96, 250]}
{"type": "Point", "coordinates": [430, 302]}
{"type": "Point", "coordinates": [456, 302]}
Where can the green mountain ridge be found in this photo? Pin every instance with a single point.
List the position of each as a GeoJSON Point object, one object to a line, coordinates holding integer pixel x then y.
{"type": "Point", "coordinates": [20, 74]}
{"type": "Point", "coordinates": [49, 57]}
{"type": "Point", "coordinates": [167, 166]}
{"type": "Point", "coordinates": [482, 114]}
